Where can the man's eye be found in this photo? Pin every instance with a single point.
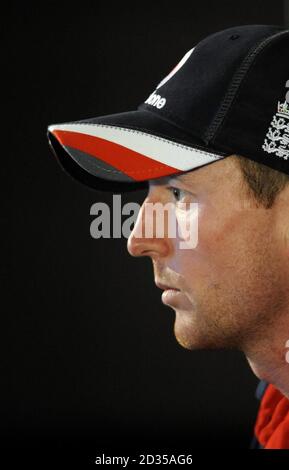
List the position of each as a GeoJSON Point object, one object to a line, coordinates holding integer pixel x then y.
{"type": "Point", "coordinates": [177, 193]}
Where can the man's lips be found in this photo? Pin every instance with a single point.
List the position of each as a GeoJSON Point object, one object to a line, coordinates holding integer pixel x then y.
{"type": "Point", "coordinates": [172, 296]}
{"type": "Point", "coordinates": [165, 286]}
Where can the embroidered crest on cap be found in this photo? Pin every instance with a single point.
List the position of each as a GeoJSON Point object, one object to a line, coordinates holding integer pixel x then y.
{"type": "Point", "coordinates": [277, 137]}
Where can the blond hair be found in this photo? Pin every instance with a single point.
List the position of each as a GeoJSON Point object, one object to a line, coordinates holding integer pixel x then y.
{"type": "Point", "coordinates": [263, 183]}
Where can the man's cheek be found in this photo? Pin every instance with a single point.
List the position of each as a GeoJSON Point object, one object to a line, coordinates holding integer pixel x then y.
{"type": "Point", "coordinates": [207, 228]}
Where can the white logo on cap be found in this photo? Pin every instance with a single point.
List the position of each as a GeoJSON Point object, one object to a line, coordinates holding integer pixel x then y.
{"type": "Point", "coordinates": [176, 68]}
{"type": "Point", "coordinates": [155, 99]}
{"type": "Point", "coordinates": [277, 137]}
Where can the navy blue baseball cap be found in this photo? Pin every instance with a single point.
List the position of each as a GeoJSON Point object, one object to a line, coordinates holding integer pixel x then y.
{"type": "Point", "coordinates": [229, 94]}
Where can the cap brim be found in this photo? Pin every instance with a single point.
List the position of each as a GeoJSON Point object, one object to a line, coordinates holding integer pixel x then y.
{"type": "Point", "coordinates": [123, 151]}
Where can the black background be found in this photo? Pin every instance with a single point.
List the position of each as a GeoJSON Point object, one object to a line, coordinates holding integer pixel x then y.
{"type": "Point", "coordinates": [93, 366]}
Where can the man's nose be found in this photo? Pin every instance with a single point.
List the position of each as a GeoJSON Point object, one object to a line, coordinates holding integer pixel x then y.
{"type": "Point", "coordinates": [146, 241]}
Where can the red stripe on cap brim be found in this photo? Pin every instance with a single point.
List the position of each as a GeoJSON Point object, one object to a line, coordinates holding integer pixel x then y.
{"type": "Point", "coordinates": [130, 162]}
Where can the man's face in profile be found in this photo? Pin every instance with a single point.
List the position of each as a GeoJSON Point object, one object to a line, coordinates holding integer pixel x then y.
{"type": "Point", "coordinates": [234, 283]}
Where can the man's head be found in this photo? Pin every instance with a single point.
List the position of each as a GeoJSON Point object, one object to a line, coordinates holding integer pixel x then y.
{"type": "Point", "coordinates": [234, 284]}
{"type": "Point", "coordinates": [228, 94]}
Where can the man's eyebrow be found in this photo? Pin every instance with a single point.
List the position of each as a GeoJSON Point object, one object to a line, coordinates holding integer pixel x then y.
{"type": "Point", "coordinates": [183, 178]}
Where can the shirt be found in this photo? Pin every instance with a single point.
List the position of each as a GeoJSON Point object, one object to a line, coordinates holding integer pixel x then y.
{"type": "Point", "coordinates": [271, 429]}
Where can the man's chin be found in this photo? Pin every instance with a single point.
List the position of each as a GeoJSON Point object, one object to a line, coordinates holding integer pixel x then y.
{"type": "Point", "coordinates": [194, 342]}
{"type": "Point", "coordinates": [191, 335]}
{"type": "Point", "coordinates": [186, 334]}
{"type": "Point", "coordinates": [184, 342]}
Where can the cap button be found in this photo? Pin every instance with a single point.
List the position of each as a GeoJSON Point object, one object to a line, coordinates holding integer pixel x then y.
{"type": "Point", "coordinates": [234, 36]}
